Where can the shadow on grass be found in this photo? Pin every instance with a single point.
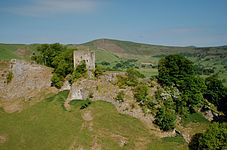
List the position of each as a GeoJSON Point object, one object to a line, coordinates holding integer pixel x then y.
{"type": "Point", "coordinates": [194, 143]}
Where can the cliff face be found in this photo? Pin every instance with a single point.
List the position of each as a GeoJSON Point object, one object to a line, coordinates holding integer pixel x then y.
{"type": "Point", "coordinates": [29, 80]}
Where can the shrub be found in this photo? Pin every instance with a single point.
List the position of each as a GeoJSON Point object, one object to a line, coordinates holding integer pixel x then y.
{"type": "Point", "coordinates": [57, 80]}
{"type": "Point", "coordinates": [120, 96]}
{"type": "Point", "coordinates": [98, 70]}
{"type": "Point", "coordinates": [80, 71]}
{"type": "Point", "coordinates": [216, 93]}
{"type": "Point", "coordinates": [121, 81]}
{"type": "Point", "coordinates": [165, 118]}
{"type": "Point", "coordinates": [104, 63]}
{"type": "Point", "coordinates": [9, 76]}
{"type": "Point", "coordinates": [132, 77]}
{"type": "Point", "coordinates": [141, 92]}
{"type": "Point", "coordinates": [215, 137]}
{"type": "Point", "coordinates": [91, 95]}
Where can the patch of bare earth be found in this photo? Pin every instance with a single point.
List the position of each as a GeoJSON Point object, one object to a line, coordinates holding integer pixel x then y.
{"type": "Point", "coordinates": [122, 141]}
{"type": "Point", "coordinates": [2, 139]}
{"type": "Point", "coordinates": [80, 148]}
{"type": "Point", "coordinates": [106, 44]}
{"type": "Point", "coordinates": [86, 115]}
{"type": "Point", "coordinates": [96, 145]}
{"type": "Point", "coordinates": [141, 144]}
{"type": "Point", "coordinates": [22, 52]}
{"type": "Point", "coordinates": [73, 144]}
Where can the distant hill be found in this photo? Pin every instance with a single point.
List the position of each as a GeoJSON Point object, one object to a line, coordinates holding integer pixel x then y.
{"type": "Point", "coordinates": [126, 48]}
{"type": "Point", "coordinates": [121, 48]}
{"type": "Point", "coordinates": [209, 59]}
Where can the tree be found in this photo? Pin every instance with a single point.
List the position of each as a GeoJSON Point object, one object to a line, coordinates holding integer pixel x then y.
{"type": "Point", "coordinates": [216, 92]}
{"type": "Point", "coordinates": [141, 92]}
{"type": "Point", "coordinates": [173, 68]}
{"type": "Point", "coordinates": [178, 71]}
{"type": "Point", "coordinates": [215, 137]}
{"type": "Point", "coordinates": [57, 80]}
{"type": "Point", "coordinates": [49, 51]}
{"type": "Point", "coordinates": [165, 118]}
{"type": "Point", "coordinates": [79, 72]}
{"type": "Point", "coordinates": [192, 89]}
{"type": "Point", "coordinates": [58, 57]}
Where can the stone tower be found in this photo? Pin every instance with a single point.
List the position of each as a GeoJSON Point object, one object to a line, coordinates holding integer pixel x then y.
{"type": "Point", "coordinates": [88, 56]}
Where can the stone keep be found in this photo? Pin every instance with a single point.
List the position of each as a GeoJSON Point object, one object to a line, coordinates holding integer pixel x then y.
{"type": "Point", "coordinates": [86, 55]}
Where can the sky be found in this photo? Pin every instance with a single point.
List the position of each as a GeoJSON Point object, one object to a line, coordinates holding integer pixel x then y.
{"type": "Point", "coordinates": [158, 22]}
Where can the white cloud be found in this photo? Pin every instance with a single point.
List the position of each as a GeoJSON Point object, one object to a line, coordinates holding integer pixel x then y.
{"type": "Point", "coordinates": [42, 8]}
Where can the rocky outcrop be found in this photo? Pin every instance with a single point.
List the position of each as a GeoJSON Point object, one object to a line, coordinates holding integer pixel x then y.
{"type": "Point", "coordinates": [28, 80]}
{"type": "Point", "coordinates": [210, 115]}
{"type": "Point", "coordinates": [105, 88]}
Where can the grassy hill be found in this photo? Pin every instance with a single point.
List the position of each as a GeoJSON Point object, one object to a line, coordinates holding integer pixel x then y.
{"type": "Point", "coordinates": [16, 51]}
{"type": "Point", "coordinates": [209, 59]}
{"type": "Point", "coordinates": [47, 125]}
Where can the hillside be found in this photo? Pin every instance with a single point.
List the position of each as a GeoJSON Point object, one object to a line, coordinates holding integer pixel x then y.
{"type": "Point", "coordinates": [57, 121]}
{"type": "Point", "coordinates": [127, 48]}
{"type": "Point", "coordinates": [47, 125]}
{"type": "Point", "coordinates": [17, 51]}
{"type": "Point", "coordinates": [208, 59]}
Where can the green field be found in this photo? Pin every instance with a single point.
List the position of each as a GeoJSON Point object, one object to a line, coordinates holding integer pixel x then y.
{"type": "Point", "coordinates": [47, 125]}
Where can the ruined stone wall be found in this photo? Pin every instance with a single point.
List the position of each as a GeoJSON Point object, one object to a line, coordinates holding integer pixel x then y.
{"type": "Point", "coordinates": [86, 55]}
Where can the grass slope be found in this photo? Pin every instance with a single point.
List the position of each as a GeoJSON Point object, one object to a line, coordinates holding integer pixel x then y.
{"type": "Point", "coordinates": [47, 125]}
{"type": "Point", "coordinates": [8, 51]}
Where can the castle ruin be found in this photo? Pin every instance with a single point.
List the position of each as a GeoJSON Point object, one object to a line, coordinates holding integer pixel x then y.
{"type": "Point", "coordinates": [88, 56]}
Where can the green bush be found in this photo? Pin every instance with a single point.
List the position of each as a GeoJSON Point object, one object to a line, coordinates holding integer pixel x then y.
{"type": "Point", "coordinates": [121, 81]}
{"type": "Point", "coordinates": [91, 95]}
{"type": "Point", "coordinates": [165, 118]}
{"type": "Point", "coordinates": [216, 93]}
{"type": "Point", "coordinates": [57, 80]}
{"type": "Point", "coordinates": [141, 92]}
{"type": "Point", "coordinates": [98, 71]}
{"type": "Point", "coordinates": [130, 79]}
{"type": "Point", "coordinates": [215, 137]}
{"type": "Point", "coordinates": [9, 76]}
{"type": "Point", "coordinates": [80, 71]}
{"type": "Point", "coordinates": [120, 96]}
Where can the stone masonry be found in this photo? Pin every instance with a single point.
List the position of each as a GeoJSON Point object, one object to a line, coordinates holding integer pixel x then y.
{"type": "Point", "coordinates": [88, 56]}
